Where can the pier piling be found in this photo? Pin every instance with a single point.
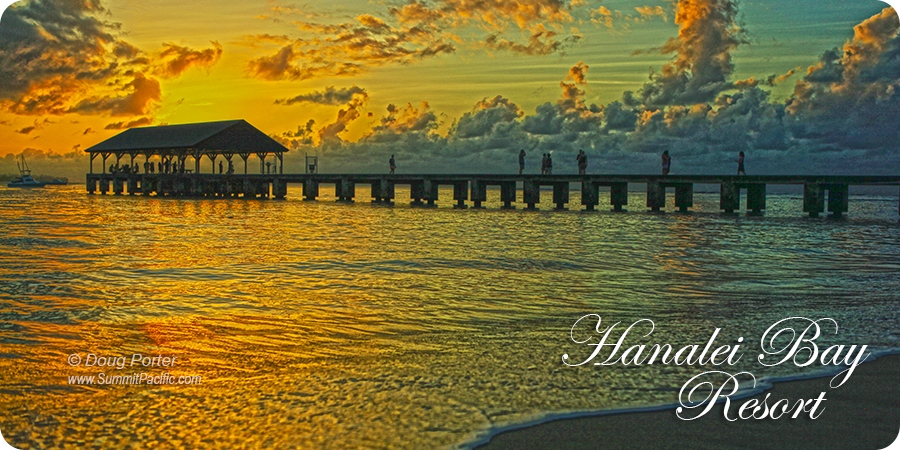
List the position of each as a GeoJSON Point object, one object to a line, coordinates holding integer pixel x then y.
{"type": "Point", "coordinates": [729, 197]}
{"type": "Point", "coordinates": [618, 196]}
{"type": "Point", "coordinates": [684, 196]}
{"type": "Point", "coordinates": [656, 195]}
{"type": "Point", "coordinates": [479, 193]}
{"type": "Point", "coordinates": [531, 193]}
{"type": "Point", "coordinates": [838, 201]}
{"type": "Point", "coordinates": [756, 198]}
{"type": "Point", "coordinates": [590, 195]}
{"type": "Point", "coordinates": [813, 199]}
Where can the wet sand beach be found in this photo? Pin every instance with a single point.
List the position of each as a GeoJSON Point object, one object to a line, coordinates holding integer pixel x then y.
{"type": "Point", "coordinates": [864, 413]}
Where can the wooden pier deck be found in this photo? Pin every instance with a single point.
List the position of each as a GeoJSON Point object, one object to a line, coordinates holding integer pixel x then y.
{"type": "Point", "coordinates": [821, 193]}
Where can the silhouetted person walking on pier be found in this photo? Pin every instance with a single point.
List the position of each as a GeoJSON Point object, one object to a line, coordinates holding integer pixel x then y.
{"type": "Point", "coordinates": [582, 162]}
{"type": "Point", "coordinates": [521, 161]}
{"type": "Point", "coordinates": [740, 162]}
{"type": "Point", "coordinates": [220, 167]}
{"type": "Point", "coordinates": [550, 163]}
{"type": "Point", "coordinates": [666, 162]}
{"type": "Point", "coordinates": [393, 164]}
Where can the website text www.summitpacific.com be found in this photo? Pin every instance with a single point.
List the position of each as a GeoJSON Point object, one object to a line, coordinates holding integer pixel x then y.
{"type": "Point", "coordinates": [136, 378]}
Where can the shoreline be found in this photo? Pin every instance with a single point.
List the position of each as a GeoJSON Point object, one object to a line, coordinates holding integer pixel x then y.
{"type": "Point", "coordinates": [864, 413]}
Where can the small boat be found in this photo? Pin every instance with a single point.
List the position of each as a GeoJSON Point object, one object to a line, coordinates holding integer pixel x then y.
{"type": "Point", "coordinates": [25, 180]}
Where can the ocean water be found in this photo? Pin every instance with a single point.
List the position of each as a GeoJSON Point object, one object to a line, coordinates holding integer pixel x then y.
{"type": "Point", "coordinates": [329, 325]}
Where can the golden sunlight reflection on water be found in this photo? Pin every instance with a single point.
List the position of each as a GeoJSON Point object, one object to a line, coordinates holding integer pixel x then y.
{"type": "Point", "coordinates": [325, 325]}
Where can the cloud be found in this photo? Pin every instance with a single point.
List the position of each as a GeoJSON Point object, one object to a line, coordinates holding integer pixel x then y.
{"type": "Point", "coordinates": [773, 80]}
{"type": "Point", "coordinates": [60, 57]}
{"type": "Point", "coordinates": [330, 96]}
{"type": "Point", "coordinates": [485, 117]}
{"type": "Point", "coordinates": [175, 60]}
{"type": "Point", "coordinates": [620, 22]}
{"type": "Point", "coordinates": [542, 42]}
{"type": "Point", "coordinates": [649, 12]}
{"type": "Point", "coordinates": [578, 72]}
{"type": "Point", "coordinates": [348, 49]}
{"type": "Point", "coordinates": [708, 33]}
{"type": "Point", "coordinates": [123, 125]}
{"type": "Point", "coordinates": [406, 34]}
{"type": "Point", "coordinates": [143, 97]}
{"type": "Point", "coordinates": [840, 119]}
{"type": "Point", "coordinates": [403, 121]}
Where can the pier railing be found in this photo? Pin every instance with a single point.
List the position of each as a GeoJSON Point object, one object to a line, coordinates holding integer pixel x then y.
{"type": "Point", "coordinates": [820, 193]}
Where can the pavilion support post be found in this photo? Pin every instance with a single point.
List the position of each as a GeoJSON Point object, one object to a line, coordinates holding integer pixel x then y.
{"type": "Point", "coordinates": [280, 156]}
{"type": "Point", "coordinates": [244, 156]}
{"type": "Point", "coordinates": [262, 162]}
{"type": "Point", "coordinates": [93, 155]}
{"type": "Point", "coordinates": [104, 155]}
{"type": "Point", "coordinates": [618, 196]}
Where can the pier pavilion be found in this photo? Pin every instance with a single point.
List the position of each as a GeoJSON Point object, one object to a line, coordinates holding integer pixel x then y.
{"type": "Point", "coordinates": [175, 143]}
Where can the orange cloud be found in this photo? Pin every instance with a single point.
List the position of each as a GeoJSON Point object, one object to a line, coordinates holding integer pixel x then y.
{"type": "Point", "coordinates": [63, 59]}
{"type": "Point", "coordinates": [134, 123]}
{"type": "Point", "coordinates": [175, 59]}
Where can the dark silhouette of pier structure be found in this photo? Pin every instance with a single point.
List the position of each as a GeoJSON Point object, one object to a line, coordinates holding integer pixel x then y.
{"type": "Point", "coordinates": [178, 143]}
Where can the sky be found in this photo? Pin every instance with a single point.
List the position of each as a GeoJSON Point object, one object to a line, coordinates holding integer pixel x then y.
{"type": "Point", "coordinates": [461, 86]}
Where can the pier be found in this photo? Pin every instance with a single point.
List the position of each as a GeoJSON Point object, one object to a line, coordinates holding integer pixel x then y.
{"type": "Point", "coordinates": [168, 171]}
{"type": "Point", "coordinates": [821, 194]}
